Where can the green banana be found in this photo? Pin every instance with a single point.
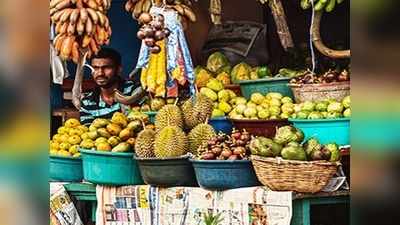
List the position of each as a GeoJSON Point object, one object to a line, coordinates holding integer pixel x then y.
{"type": "Point", "coordinates": [330, 6]}
{"type": "Point", "coordinates": [305, 4]}
{"type": "Point", "coordinates": [320, 5]}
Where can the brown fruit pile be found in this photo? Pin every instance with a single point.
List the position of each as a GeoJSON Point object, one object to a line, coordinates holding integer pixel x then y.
{"type": "Point", "coordinates": [225, 147]}
{"type": "Point", "coordinates": [329, 77]}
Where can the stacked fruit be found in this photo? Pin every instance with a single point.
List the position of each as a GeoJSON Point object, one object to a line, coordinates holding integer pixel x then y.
{"type": "Point", "coordinates": [80, 25]}
{"type": "Point", "coordinates": [152, 31]}
{"type": "Point", "coordinates": [225, 147]}
{"type": "Point", "coordinates": [271, 106]}
{"type": "Point", "coordinates": [223, 99]}
{"type": "Point", "coordinates": [66, 141]}
{"type": "Point", "coordinates": [115, 135]}
{"type": "Point", "coordinates": [328, 109]}
{"type": "Point", "coordinates": [319, 5]}
{"type": "Point", "coordinates": [178, 130]}
{"type": "Point", "coordinates": [287, 144]}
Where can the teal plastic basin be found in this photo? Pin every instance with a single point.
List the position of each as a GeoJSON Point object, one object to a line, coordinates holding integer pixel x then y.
{"type": "Point", "coordinates": [66, 169]}
{"type": "Point", "coordinates": [265, 86]}
{"type": "Point", "coordinates": [110, 168]}
{"type": "Point", "coordinates": [224, 174]}
{"type": "Point", "coordinates": [152, 116]}
{"type": "Point", "coordinates": [325, 130]}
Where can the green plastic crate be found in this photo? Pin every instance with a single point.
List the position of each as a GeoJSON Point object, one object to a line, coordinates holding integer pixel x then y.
{"type": "Point", "coordinates": [265, 86]}
{"type": "Point", "coordinates": [110, 168]}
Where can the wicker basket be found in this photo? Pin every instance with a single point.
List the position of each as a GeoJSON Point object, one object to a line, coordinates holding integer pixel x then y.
{"type": "Point", "coordinates": [320, 92]}
{"type": "Point", "coordinates": [291, 175]}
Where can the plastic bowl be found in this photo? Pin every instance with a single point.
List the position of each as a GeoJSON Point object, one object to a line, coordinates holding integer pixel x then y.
{"type": "Point", "coordinates": [224, 174]}
{"type": "Point", "coordinates": [221, 124]}
{"type": "Point", "coordinates": [325, 130]}
{"type": "Point", "coordinates": [266, 128]}
{"type": "Point", "coordinates": [152, 116]}
{"type": "Point", "coordinates": [264, 86]}
{"type": "Point", "coordinates": [67, 169]}
{"type": "Point", "coordinates": [320, 92]}
{"type": "Point", "coordinates": [110, 168]}
{"type": "Point", "coordinates": [167, 172]}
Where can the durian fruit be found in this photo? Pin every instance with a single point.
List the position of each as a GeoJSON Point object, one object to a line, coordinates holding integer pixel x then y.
{"type": "Point", "coordinates": [171, 141]}
{"type": "Point", "coordinates": [169, 115]}
{"type": "Point", "coordinates": [202, 110]}
{"type": "Point", "coordinates": [144, 146]}
{"type": "Point", "coordinates": [200, 135]}
{"type": "Point", "coordinates": [187, 111]}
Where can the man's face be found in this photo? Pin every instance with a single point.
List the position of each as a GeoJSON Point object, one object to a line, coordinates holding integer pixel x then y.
{"type": "Point", "coordinates": [105, 72]}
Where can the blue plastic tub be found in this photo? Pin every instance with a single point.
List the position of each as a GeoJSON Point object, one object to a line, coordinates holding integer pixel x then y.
{"type": "Point", "coordinates": [66, 169]}
{"type": "Point", "coordinates": [222, 124]}
{"type": "Point", "coordinates": [264, 86]}
{"type": "Point", "coordinates": [325, 130]}
{"type": "Point", "coordinates": [152, 116]}
{"type": "Point", "coordinates": [110, 168]}
{"type": "Point", "coordinates": [224, 174]}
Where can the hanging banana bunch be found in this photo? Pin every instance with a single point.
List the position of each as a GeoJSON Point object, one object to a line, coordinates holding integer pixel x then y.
{"type": "Point", "coordinates": [215, 12]}
{"type": "Point", "coordinates": [328, 5]}
{"type": "Point", "coordinates": [80, 26]}
{"type": "Point", "coordinates": [137, 7]}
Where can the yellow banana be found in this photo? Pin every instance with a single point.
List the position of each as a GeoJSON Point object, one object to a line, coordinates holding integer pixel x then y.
{"type": "Point", "coordinates": [65, 15]}
{"type": "Point", "coordinates": [146, 6]}
{"type": "Point", "coordinates": [188, 12]}
{"type": "Point", "coordinates": [92, 13]}
{"type": "Point", "coordinates": [84, 15]}
{"type": "Point", "coordinates": [89, 26]}
{"type": "Point", "coordinates": [71, 28]}
{"type": "Point", "coordinates": [74, 16]}
{"type": "Point", "coordinates": [101, 16]}
{"type": "Point", "coordinates": [128, 6]}
{"type": "Point", "coordinates": [63, 4]}
{"type": "Point", "coordinates": [80, 27]}
{"type": "Point", "coordinates": [138, 8]}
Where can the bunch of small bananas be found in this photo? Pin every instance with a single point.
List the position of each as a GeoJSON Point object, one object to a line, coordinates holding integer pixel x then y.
{"type": "Point", "coordinates": [319, 5]}
{"type": "Point", "coordinates": [137, 7]}
{"type": "Point", "coordinates": [80, 25]}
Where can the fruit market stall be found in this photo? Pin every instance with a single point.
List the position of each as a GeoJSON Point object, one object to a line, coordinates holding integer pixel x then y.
{"type": "Point", "coordinates": [233, 138]}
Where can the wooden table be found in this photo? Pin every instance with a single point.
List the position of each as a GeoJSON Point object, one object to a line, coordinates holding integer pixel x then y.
{"type": "Point", "coordinates": [301, 202]}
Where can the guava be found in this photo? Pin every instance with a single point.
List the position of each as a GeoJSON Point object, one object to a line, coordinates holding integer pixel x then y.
{"type": "Point", "coordinates": [346, 101]}
{"type": "Point", "coordinates": [286, 99]}
{"type": "Point", "coordinates": [274, 110]}
{"type": "Point", "coordinates": [240, 108]}
{"type": "Point", "coordinates": [257, 98]}
{"type": "Point", "coordinates": [224, 96]}
{"type": "Point", "coordinates": [321, 106]}
{"type": "Point", "coordinates": [335, 107]}
{"type": "Point", "coordinates": [315, 116]}
{"type": "Point", "coordinates": [308, 106]}
{"type": "Point", "coordinates": [347, 112]}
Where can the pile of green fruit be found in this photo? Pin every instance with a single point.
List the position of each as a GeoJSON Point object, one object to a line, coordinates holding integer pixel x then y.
{"type": "Point", "coordinates": [223, 99]}
{"type": "Point", "coordinates": [287, 144]}
{"type": "Point", "coordinates": [328, 109]}
{"type": "Point", "coordinates": [66, 141]}
{"type": "Point", "coordinates": [218, 67]}
{"type": "Point", "coordinates": [116, 134]}
{"type": "Point", "coordinates": [178, 130]}
{"type": "Point", "coordinates": [225, 147]}
{"type": "Point", "coordinates": [271, 106]}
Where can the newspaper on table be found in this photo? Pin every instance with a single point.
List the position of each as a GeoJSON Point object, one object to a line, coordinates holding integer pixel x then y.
{"type": "Point", "coordinates": [62, 209]}
{"type": "Point", "coordinates": [145, 205]}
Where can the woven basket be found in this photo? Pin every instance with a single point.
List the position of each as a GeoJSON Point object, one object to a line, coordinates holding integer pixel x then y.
{"type": "Point", "coordinates": [291, 175]}
{"type": "Point", "coordinates": [320, 92]}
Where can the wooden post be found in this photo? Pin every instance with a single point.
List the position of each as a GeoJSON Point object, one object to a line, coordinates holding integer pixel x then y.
{"type": "Point", "coordinates": [318, 43]}
{"type": "Point", "coordinates": [281, 25]}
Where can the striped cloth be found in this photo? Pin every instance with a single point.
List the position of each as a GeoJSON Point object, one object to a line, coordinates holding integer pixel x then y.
{"type": "Point", "coordinates": [93, 106]}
